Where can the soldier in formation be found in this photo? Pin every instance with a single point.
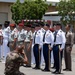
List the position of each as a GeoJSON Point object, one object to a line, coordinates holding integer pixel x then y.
{"type": "Point", "coordinates": [28, 44]}
{"type": "Point", "coordinates": [59, 45]}
{"type": "Point", "coordinates": [68, 48]}
{"type": "Point", "coordinates": [38, 42]}
{"type": "Point", "coordinates": [12, 37]}
{"type": "Point", "coordinates": [5, 48]}
{"type": "Point", "coordinates": [48, 40]}
{"type": "Point", "coordinates": [1, 41]}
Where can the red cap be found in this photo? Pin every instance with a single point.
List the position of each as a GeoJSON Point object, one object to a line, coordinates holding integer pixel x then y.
{"type": "Point", "coordinates": [21, 24]}
{"type": "Point", "coordinates": [12, 25]}
{"type": "Point", "coordinates": [51, 29]}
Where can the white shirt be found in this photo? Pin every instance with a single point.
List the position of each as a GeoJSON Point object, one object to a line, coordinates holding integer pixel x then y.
{"type": "Point", "coordinates": [38, 38]}
{"type": "Point", "coordinates": [1, 33]}
{"type": "Point", "coordinates": [43, 31]}
{"type": "Point", "coordinates": [49, 38]}
{"type": "Point", "coordinates": [6, 32]}
{"type": "Point", "coordinates": [60, 38]}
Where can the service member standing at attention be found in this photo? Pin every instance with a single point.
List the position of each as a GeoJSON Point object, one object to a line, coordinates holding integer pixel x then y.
{"type": "Point", "coordinates": [28, 44]}
{"type": "Point", "coordinates": [37, 45]}
{"type": "Point", "coordinates": [5, 48]}
{"type": "Point", "coordinates": [43, 31]}
{"type": "Point", "coordinates": [68, 48]}
{"type": "Point", "coordinates": [54, 27]}
{"type": "Point", "coordinates": [12, 37]}
{"type": "Point", "coordinates": [48, 40]}
{"type": "Point", "coordinates": [1, 41]}
{"type": "Point", "coordinates": [21, 35]}
{"type": "Point", "coordinates": [32, 43]}
{"type": "Point", "coordinates": [59, 45]}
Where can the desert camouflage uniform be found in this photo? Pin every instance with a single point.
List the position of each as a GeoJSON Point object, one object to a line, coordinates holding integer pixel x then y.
{"type": "Point", "coordinates": [13, 63]}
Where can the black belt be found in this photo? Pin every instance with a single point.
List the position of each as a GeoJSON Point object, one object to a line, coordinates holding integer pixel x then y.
{"type": "Point", "coordinates": [36, 44]}
{"type": "Point", "coordinates": [57, 44]}
{"type": "Point", "coordinates": [46, 44]}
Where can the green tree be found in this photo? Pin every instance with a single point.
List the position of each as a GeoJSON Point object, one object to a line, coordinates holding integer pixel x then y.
{"type": "Point", "coordinates": [29, 9]}
{"type": "Point", "coordinates": [66, 9]}
{"type": "Point", "coordinates": [15, 9]}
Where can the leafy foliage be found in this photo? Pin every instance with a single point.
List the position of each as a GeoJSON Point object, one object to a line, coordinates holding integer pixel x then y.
{"type": "Point", "coordinates": [66, 9]}
{"type": "Point", "coordinates": [29, 9]}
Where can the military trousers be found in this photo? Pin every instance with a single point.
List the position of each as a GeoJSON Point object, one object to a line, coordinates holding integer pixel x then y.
{"type": "Point", "coordinates": [57, 57]}
{"type": "Point", "coordinates": [28, 53]}
{"type": "Point", "coordinates": [37, 54]}
{"type": "Point", "coordinates": [67, 57]}
{"type": "Point", "coordinates": [46, 54]}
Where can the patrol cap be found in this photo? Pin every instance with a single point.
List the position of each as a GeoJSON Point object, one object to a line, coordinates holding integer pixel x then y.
{"type": "Point", "coordinates": [21, 24]}
{"type": "Point", "coordinates": [0, 24]}
{"type": "Point", "coordinates": [52, 29]}
{"type": "Point", "coordinates": [47, 25]}
{"type": "Point", "coordinates": [12, 25]}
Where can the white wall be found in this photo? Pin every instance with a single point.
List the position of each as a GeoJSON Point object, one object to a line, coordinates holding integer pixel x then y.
{"type": "Point", "coordinates": [10, 1]}
{"type": "Point", "coordinates": [5, 11]}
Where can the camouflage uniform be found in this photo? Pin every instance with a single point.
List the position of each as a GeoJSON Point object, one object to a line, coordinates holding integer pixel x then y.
{"type": "Point", "coordinates": [27, 43]}
{"type": "Point", "coordinates": [21, 37]}
{"type": "Point", "coordinates": [11, 68]}
{"type": "Point", "coordinates": [12, 36]}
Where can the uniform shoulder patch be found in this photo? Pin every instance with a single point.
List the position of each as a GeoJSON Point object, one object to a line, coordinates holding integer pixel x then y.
{"type": "Point", "coordinates": [49, 31]}
{"type": "Point", "coordinates": [61, 31]}
{"type": "Point", "coordinates": [39, 31]}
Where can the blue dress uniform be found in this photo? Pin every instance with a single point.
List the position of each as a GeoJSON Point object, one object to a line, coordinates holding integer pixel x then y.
{"type": "Point", "coordinates": [42, 58]}
{"type": "Point", "coordinates": [48, 40]}
{"type": "Point", "coordinates": [59, 42]}
{"type": "Point", "coordinates": [36, 48]}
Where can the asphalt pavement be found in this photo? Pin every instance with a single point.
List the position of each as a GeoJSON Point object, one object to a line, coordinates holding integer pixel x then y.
{"type": "Point", "coordinates": [30, 71]}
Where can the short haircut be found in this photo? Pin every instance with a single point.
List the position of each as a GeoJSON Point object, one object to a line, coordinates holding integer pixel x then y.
{"type": "Point", "coordinates": [69, 25]}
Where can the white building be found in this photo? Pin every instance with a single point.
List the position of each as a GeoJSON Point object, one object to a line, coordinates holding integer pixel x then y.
{"type": "Point", "coordinates": [5, 10]}
{"type": "Point", "coordinates": [53, 16]}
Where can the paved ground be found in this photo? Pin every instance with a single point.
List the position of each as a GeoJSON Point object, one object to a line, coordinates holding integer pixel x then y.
{"type": "Point", "coordinates": [30, 71]}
